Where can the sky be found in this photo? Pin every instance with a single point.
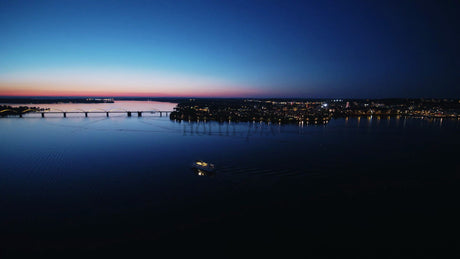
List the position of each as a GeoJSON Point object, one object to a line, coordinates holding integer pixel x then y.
{"type": "Point", "coordinates": [348, 49]}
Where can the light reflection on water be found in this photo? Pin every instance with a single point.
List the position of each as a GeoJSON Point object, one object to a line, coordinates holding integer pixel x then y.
{"type": "Point", "coordinates": [92, 170]}
{"type": "Point", "coordinates": [123, 105]}
{"type": "Point", "coordinates": [259, 146]}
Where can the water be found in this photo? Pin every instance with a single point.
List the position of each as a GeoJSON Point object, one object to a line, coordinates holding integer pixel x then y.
{"type": "Point", "coordinates": [115, 106]}
{"type": "Point", "coordinates": [125, 182]}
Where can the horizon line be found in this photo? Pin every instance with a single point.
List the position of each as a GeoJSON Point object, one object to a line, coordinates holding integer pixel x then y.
{"type": "Point", "coordinates": [214, 97]}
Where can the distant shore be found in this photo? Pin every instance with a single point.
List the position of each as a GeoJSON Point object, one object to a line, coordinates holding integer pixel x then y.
{"type": "Point", "coordinates": [66, 99]}
{"type": "Point", "coordinates": [275, 110]}
{"type": "Point", "coordinates": [44, 100]}
{"type": "Point", "coordinates": [317, 111]}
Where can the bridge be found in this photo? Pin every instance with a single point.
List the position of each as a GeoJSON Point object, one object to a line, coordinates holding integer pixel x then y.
{"type": "Point", "coordinates": [64, 113]}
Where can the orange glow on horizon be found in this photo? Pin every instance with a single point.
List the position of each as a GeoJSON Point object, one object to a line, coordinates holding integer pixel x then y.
{"type": "Point", "coordinates": [118, 84]}
{"type": "Point", "coordinates": [108, 93]}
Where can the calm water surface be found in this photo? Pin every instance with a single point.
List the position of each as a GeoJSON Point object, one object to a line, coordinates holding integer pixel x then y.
{"type": "Point", "coordinates": [105, 183]}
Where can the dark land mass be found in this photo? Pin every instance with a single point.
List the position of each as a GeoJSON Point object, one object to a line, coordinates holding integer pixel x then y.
{"type": "Point", "coordinates": [9, 110]}
{"type": "Point", "coordinates": [315, 111]}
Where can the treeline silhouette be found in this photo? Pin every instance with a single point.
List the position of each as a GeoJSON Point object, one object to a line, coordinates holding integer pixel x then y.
{"type": "Point", "coordinates": [6, 110]}
{"type": "Point", "coordinates": [43, 100]}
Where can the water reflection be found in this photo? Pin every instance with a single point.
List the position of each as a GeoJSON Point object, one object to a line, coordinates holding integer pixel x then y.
{"type": "Point", "coordinates": [121, 105]}
{"type": "Point", "coordinates": [200, 172]}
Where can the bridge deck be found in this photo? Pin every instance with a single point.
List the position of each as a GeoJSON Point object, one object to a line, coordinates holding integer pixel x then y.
{"type": "Point", "coordinates": [64, 113]}
{"type": "Point", "coordinates": [99, 111]}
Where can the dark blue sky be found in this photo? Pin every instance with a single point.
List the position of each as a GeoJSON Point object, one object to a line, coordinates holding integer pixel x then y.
{"type": "Point", "coordinates": [230, 48]}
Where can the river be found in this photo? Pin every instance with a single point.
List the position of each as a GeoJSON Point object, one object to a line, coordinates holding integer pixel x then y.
{"type": "Point", "coordinates": [117, 182]}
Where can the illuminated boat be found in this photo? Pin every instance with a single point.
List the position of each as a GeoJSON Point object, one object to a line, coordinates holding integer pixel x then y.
{"type": "Point", "coordinates": [203, 166]}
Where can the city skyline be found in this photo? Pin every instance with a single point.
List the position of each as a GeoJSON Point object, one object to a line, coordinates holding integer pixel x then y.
{"type": "Point", "coordinates": [229, 49]}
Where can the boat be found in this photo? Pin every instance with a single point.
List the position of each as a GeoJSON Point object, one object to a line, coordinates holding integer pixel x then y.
{"type": "Point", "coordinates": [203, 166]}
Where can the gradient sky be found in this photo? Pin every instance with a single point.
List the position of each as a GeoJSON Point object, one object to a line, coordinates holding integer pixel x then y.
{"type": "Point", "coordinates": [248, 48]}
